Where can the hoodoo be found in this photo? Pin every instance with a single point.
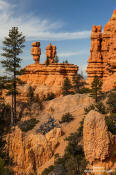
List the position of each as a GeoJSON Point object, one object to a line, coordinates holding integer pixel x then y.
{"type": "Point", "coordinates": [102, 60]}
{"type": "Point", "coordinates": [47, 78]}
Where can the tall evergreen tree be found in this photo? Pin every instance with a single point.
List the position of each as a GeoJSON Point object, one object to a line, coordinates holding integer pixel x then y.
{"type": "Point", "coordinates": [96, 88]}
{"type": "Point", "coordinates": [66, 86]}
{"type": "Point", "coordinates": [13, 45]}
{"type": "Point", "coordinates": [56, 59]}
{"type": "Point", "coordinates": [78, 83]}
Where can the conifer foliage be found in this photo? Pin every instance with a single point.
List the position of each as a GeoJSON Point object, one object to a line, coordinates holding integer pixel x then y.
{"type": "Point", "coordinates": [96, 88]}
{"type": "Point", "coordinates": [78, 83]}
{"type": "Point", "coordinates": [66, 86]}
{"type": "Point", "coordinates": [12, 48]}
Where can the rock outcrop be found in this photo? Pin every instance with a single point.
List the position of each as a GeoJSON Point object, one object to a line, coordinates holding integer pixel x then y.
{"type": "Point", "coordinates": [50, 53]}
{"type": "Point", "coordinates": [46, 79]}
{"type": "Point", "coordinates": [36, 52]}
{"type": "Point", "coordinates": [99, 144]}
{"type": "Point", "coordinates": [29, 152]}
{"type": "Point", "coordinates": [102, 60]}
{"type": "Point", "coordinates": [33, 150]}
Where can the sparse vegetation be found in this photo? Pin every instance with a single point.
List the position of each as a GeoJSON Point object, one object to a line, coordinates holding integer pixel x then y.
{"type": "Point", "coordinates": [66, 118]}
{"type": "Point", "coordinates": [28, 124]}
{"type": "Point", "coordinates": [47, 62]}
{"type": "Point", "coordinates": [111, 123]}
{"type": "Point", "coordinates": [50, 96]}
{"type": "Point", "coordinates": [30, 94]}
{"type": "Point", "coordinates": [88, 109]}
{"type": "Point", "coordinates": [47, 126]}
{"type": "Point", "coordinates": [56, 60]}
{"type": "Point", "coordinates": [73, 162]}
{"type": "Point", "coordinates": [100, 107]}
{"type": "Point", "coordinates": [66, 87]}
{"type": "Point", "coordinates": [48, 170]}
{"type": "Point", "coordinates": [96, 87]}
{"type": "Point", "coordinates": [78, 83]}
{"type": "Point", "coordinates": [111, 119]}
{"type": "Point", "coordinates": [65, 62]}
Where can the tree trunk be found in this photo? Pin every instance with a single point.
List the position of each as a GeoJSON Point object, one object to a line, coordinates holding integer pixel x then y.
{"type": "Point", "coordinates": [12, 111]}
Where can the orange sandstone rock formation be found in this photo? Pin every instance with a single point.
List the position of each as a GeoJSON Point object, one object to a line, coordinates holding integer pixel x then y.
{"type": "Point", "coordinates": [51, 53]}
{"type": "Point", "coordinates": [36, 51]}
{"type": "Point", "coordinates": [47, 79]}
{"type": "Point", "coordinates": [99, 144]}
{"type": "Point", "coordinates": [102, 60]}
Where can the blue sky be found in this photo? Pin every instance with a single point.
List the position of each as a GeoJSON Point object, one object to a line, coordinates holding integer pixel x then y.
{"type": "Point", "coordinates": [65, 23]}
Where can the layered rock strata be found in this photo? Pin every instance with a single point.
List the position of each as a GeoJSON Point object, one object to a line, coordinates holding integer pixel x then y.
{"type": "Point", "coordinates": [48, 78]}
{"type": "Point", "coordinates": [102, 60]}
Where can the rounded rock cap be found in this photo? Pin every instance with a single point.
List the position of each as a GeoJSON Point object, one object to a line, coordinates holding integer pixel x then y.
{"type": "Point", "coordinates": [36, 44]}
{"type": "Point", "coordinates": [114, 14]}
{"type": "Point", "coordinates": [49, 46]}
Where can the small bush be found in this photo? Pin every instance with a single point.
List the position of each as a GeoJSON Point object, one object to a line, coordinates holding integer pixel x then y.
{"type": "Point", "coordinates": [66, 118]}
{"type": "Point", "coordinates": [101, 108]}
{"type": "Point", "coordinates": [48, 170]}
{"type": "Point", "coordinates": [88, 109]}
{"type": "Point", "coordinates": [28, 124]}
{"type": "Point", "coordinates": [39, 101]}
{"type": "Point", "coordinates": [47, 126]}
{"type": "Point", "coordinates": [85, 90]}
{"type": "Point", "coordinates": [50, 96]}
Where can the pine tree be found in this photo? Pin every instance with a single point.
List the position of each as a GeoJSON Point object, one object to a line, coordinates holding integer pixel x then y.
{"type": "Point", "coordinates": [96, 88]}
{"type": "Point", "coordinates": [56, 60]}
{"type": "Point", "coordinates": [77, 83]}
{"type": "Point", "coordinates": [30, 94]}
{"type": "Point", "coordinates": [13, 45]}
{"type": "Point", "coordinates": [66, 86]}
{"type": "Point", "coordinates": [47, 62]}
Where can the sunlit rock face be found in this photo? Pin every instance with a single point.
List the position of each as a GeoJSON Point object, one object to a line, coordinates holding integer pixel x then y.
{"type": "Point", "coordinates": [51, 53]}
{"type": "Point", "coordinates": [36, 52]}
{"type": "Point", "coordinates": [99, 144]}
{"type": "Point", "coordinates": [47, 78]}
{"type": "Point", "coordinates": [102, 60]}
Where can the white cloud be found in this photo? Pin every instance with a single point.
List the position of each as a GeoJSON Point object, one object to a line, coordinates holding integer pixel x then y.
{"type": "Point", "coordinates": [33, 27]}
{"type": "Point", "coordinates": [68, 54]}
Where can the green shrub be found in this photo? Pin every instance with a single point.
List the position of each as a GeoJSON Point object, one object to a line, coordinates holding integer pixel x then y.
{"type": "Point", "coordinates": [28, 124]}
{"type": "Point", "coordinates": [39, 101]}
{"type": "Point", "coordinates": [96, 88]}
{"type": "Point", "coordinates": [50, 96]}
{"type": "Point", "coordinates": [30, 94]}
{"type": "Point", "coordinates": [66, 87]}
{"type": "Point", "coordinates": [88, 109]}
{"type": "Point", "coordinates": [85, 90]}
{"type": "Point", "coordinates": [66, 118]}
{"type": "Point", "coordinates": [100, 107]}
{"type": "Point", "coordinates": [48, 170]}
{"type": "Point", "coordinates": [3, 170]}
{"type": "Point", "coordinates": [112, 102]}
{"type": "Point", "coordinates": [111, 123]}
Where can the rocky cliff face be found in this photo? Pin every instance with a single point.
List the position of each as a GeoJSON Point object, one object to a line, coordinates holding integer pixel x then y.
{"type": "Point", "coordinates": [49, 78]}
{"type": "Point", "coordinates": [102, 60]}
{"type": "Point", "coordinates": [31, 151]}
{"type": "Point", "coordinates": [99, 144]}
